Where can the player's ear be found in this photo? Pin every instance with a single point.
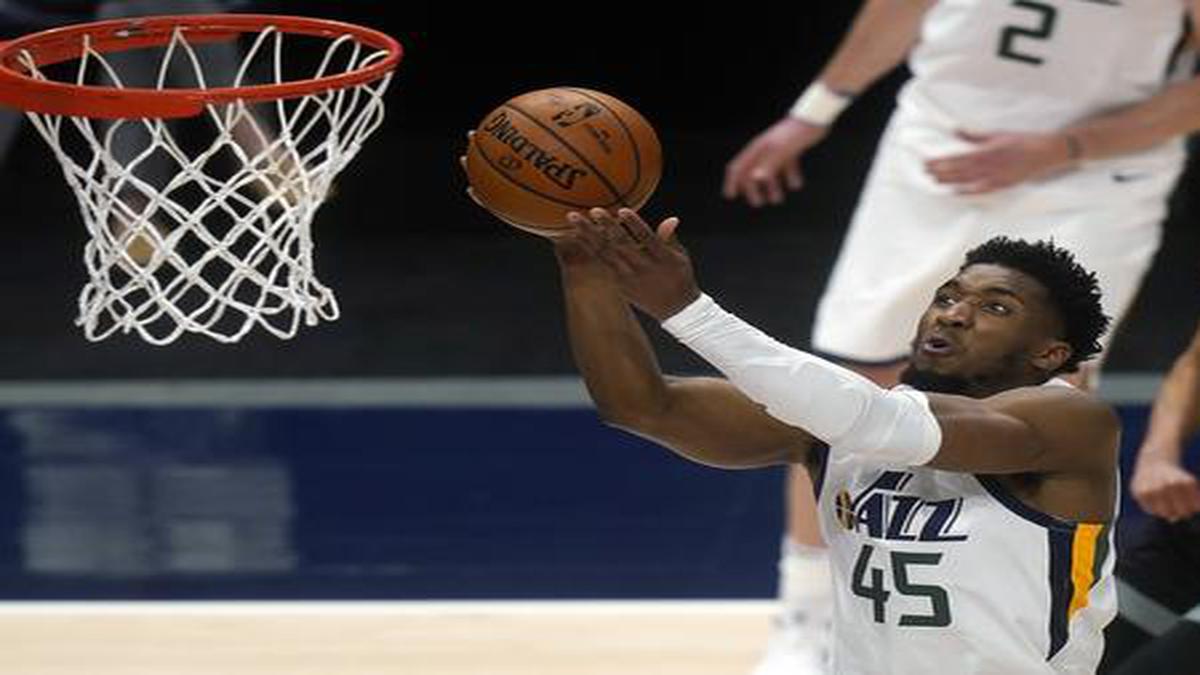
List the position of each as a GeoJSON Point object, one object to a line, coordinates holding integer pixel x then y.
{"type": "Point", "coordinates": [1051, 356]}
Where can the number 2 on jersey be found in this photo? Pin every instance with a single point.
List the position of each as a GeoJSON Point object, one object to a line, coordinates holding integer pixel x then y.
{"type": "Point", "coordinates": [1009, 36]}
{"type": "Point", "coordinates": [939, 600]}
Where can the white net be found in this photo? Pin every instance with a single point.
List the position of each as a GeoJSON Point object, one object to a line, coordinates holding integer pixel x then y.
{"type": "Point", "coordinates": [204, 225]}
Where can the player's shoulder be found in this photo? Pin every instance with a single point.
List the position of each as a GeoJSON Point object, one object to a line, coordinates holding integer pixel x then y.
{"type": "Point", "coordinates": [1059, 404]}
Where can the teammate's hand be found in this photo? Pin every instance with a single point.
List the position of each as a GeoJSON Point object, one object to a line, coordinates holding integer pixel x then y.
{"type": "Point", "coordinates": [1001, 160]}
{"type": "Point", "coordinates": [652, 270]}
{"type": "Point", "coordinates": [769, 165]}
{"type": "Point", "coordinates": [1165, 489]}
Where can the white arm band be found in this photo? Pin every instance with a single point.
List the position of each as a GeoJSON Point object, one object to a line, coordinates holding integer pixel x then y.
{"type": "Point", "coordinates": [857, 418]}
{"type": "Point", "coordinates": [819, 105]}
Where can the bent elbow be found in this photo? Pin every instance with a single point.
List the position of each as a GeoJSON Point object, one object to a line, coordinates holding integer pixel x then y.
{"type": "Point", "coordinates": [625, 418]}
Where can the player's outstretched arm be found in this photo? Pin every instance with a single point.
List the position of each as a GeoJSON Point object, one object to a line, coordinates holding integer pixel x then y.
{"type": "Point", "coordinates": [1160, 483]}
{"type": "Point", "coordinates": [879, 40]}
{"type": "Point", "coordinates": [704, 419]}
{"type": "Point", "coordinates": [828, 402]}
{"type": "Point", "coordinates": [1050, 430]}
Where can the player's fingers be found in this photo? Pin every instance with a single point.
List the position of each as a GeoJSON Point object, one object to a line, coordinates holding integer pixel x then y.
{"type": "Point", "coordinates": [759, 186]}
{"type": "Point", "coordinates": [610, 227]}
{"type": "Point", "coordinates": [667, 233]}
{"type": "Point", "coordinates": [731, 186]}
{"type": "Point", "coordinates": [637, 228]}
{"type": "Point", "coordinates": [753, 192]}
{"type": "Point", "coordinates": [1169, 505]}
{"type": "Point", "coordinates": [606, 221]}
{"type": "Point", "coordinates": [1152, 503]}
{"type": "Point", "coordinates": [792, 175]}
{"type": "Point", "coordinates": [737, 169]}
{"type": "Point", "coordinates": [624, 245]}
{"type": "Point", "coordinates": [966, 178]}
{"type": "Point", "coordinates": [1173, 509]}
{"type": "Point", "coordinates": [963, 161]}
{"type": "Point", "coordinates": [585, 233]}
{"type": "Point", "coordinates": [772, 186]}
{"type": "Point", "coordinates": [959, 169]}
{"type": "Point", "coordinates": [1185, 498]}
{"type": "Point", "coordinates": [598, 228]}
{"type": "Point", "coordinates": [1191, 500]}
{"type": "Point", "coordinates": [1162, 505]}
{"type": "Point", "coordinates": [981, 187]}
{"type": "Point", "coordinates": [973, 136]}
{"type": "Point", "coordinates": [944, 173]}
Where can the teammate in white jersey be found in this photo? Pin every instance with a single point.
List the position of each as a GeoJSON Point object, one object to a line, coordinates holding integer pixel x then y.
{"type": "Point", "coordinates": [970, 529]}
{"type": "Point", "coordinates": [1038, 119]}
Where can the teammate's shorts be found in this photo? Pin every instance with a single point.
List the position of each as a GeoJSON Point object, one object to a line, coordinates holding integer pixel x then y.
{"type": "Point", "coordinates": [909, 234]}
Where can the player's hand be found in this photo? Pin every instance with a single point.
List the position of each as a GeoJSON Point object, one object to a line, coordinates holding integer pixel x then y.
{"type": "Point", "coordinates": [769, 165]}
{"type": "Point", "coordinates": [1001, 160]}
{"type": "Point", "coordinates": [1165, 489]}
{"type": "Point", "coordinates": [652, 270]}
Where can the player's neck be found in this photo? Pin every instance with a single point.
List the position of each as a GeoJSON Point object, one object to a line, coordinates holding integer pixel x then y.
{"type": "Point", "coordinates": [981, 386]}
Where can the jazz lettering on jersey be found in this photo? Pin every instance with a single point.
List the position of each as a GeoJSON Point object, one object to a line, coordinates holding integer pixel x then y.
{"type": "Point", "coordinates": [884, 511]}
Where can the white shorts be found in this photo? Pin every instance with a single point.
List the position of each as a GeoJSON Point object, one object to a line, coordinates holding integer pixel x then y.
{"type": "Point", "coordinates": [909, 235]}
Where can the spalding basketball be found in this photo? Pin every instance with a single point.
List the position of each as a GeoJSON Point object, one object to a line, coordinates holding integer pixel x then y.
{"type": "Point", "coordinates": [547, 152]}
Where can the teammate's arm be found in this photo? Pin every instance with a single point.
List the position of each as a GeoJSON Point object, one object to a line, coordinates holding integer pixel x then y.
{"type": "Point", "coordinates": [1004, 159]}
{"type": "Point", "coordinates": [879, 40]}
{"type": "Point", "coordinates": [1172, 112]}
{"type": "Point", "coordinates": [706, 420]}
{"type": "Point", "coordinates": [1160, 483]}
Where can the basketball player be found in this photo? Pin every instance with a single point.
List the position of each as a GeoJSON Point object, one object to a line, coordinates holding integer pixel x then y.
{"type": "Point", "coordinates": [1158, 630]}
{"type": "Point", "coordinates": [967, 515]}
{"type": "Point", "coordinates": [1039, 119]}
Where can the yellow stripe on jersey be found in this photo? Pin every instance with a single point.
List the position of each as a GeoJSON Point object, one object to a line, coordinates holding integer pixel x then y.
{"type": "Point", "coordinates": [1083, 559]}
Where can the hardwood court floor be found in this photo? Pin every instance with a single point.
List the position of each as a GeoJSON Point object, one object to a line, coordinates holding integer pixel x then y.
{"type": "Point", "coordinates": [476, 638]}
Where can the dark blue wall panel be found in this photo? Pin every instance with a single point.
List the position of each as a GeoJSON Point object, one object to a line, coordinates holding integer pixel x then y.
{"type": "Point", "coordinates": [375, 503]}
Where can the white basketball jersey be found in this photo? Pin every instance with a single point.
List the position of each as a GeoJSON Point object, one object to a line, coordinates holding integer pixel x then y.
{"type": "Point", "coordinates": [1029, 65]}
{"type": "Point", "coordinates": [942, 572]}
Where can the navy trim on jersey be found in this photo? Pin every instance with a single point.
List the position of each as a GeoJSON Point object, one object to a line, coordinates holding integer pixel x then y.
{"type": "Point", "coordinates": [1006, 498]}
{"type": "Point", "coordinates": [1059, 542]}
{"type": "Point", "coordinates": [1175, 61]}
{"type": "Point", "coordinates": [818, 467]}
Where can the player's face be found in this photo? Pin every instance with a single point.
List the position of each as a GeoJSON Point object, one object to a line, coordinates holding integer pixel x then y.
{"type": "Point", "coordinates": [987, 329]}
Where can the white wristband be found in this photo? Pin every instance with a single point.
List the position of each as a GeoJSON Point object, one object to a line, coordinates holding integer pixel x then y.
{"type": "Point", "coordinates": [819, 105]}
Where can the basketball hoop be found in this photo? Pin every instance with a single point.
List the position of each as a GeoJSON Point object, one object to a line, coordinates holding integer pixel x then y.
{"type": "Point", "coordinates": [221, 241]}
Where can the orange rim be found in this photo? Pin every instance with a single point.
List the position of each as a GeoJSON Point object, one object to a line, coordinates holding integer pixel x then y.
{"type": "Point", "coordinates": [18, 89]}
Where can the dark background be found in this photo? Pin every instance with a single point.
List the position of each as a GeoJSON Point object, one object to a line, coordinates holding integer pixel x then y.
{"type": "Point", "coordinates": [431, 285]}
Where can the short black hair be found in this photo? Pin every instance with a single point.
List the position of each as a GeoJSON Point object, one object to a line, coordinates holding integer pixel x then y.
{"type": "Point", "coordinates": [1073, 290]}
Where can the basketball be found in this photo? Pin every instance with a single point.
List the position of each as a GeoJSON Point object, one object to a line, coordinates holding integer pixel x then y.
{"type": "Point", "coordinates": [547, 152]}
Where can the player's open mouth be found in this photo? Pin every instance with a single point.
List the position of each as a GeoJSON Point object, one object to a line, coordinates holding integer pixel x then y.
{"type": "Point", "coordinates": [936, 345]}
